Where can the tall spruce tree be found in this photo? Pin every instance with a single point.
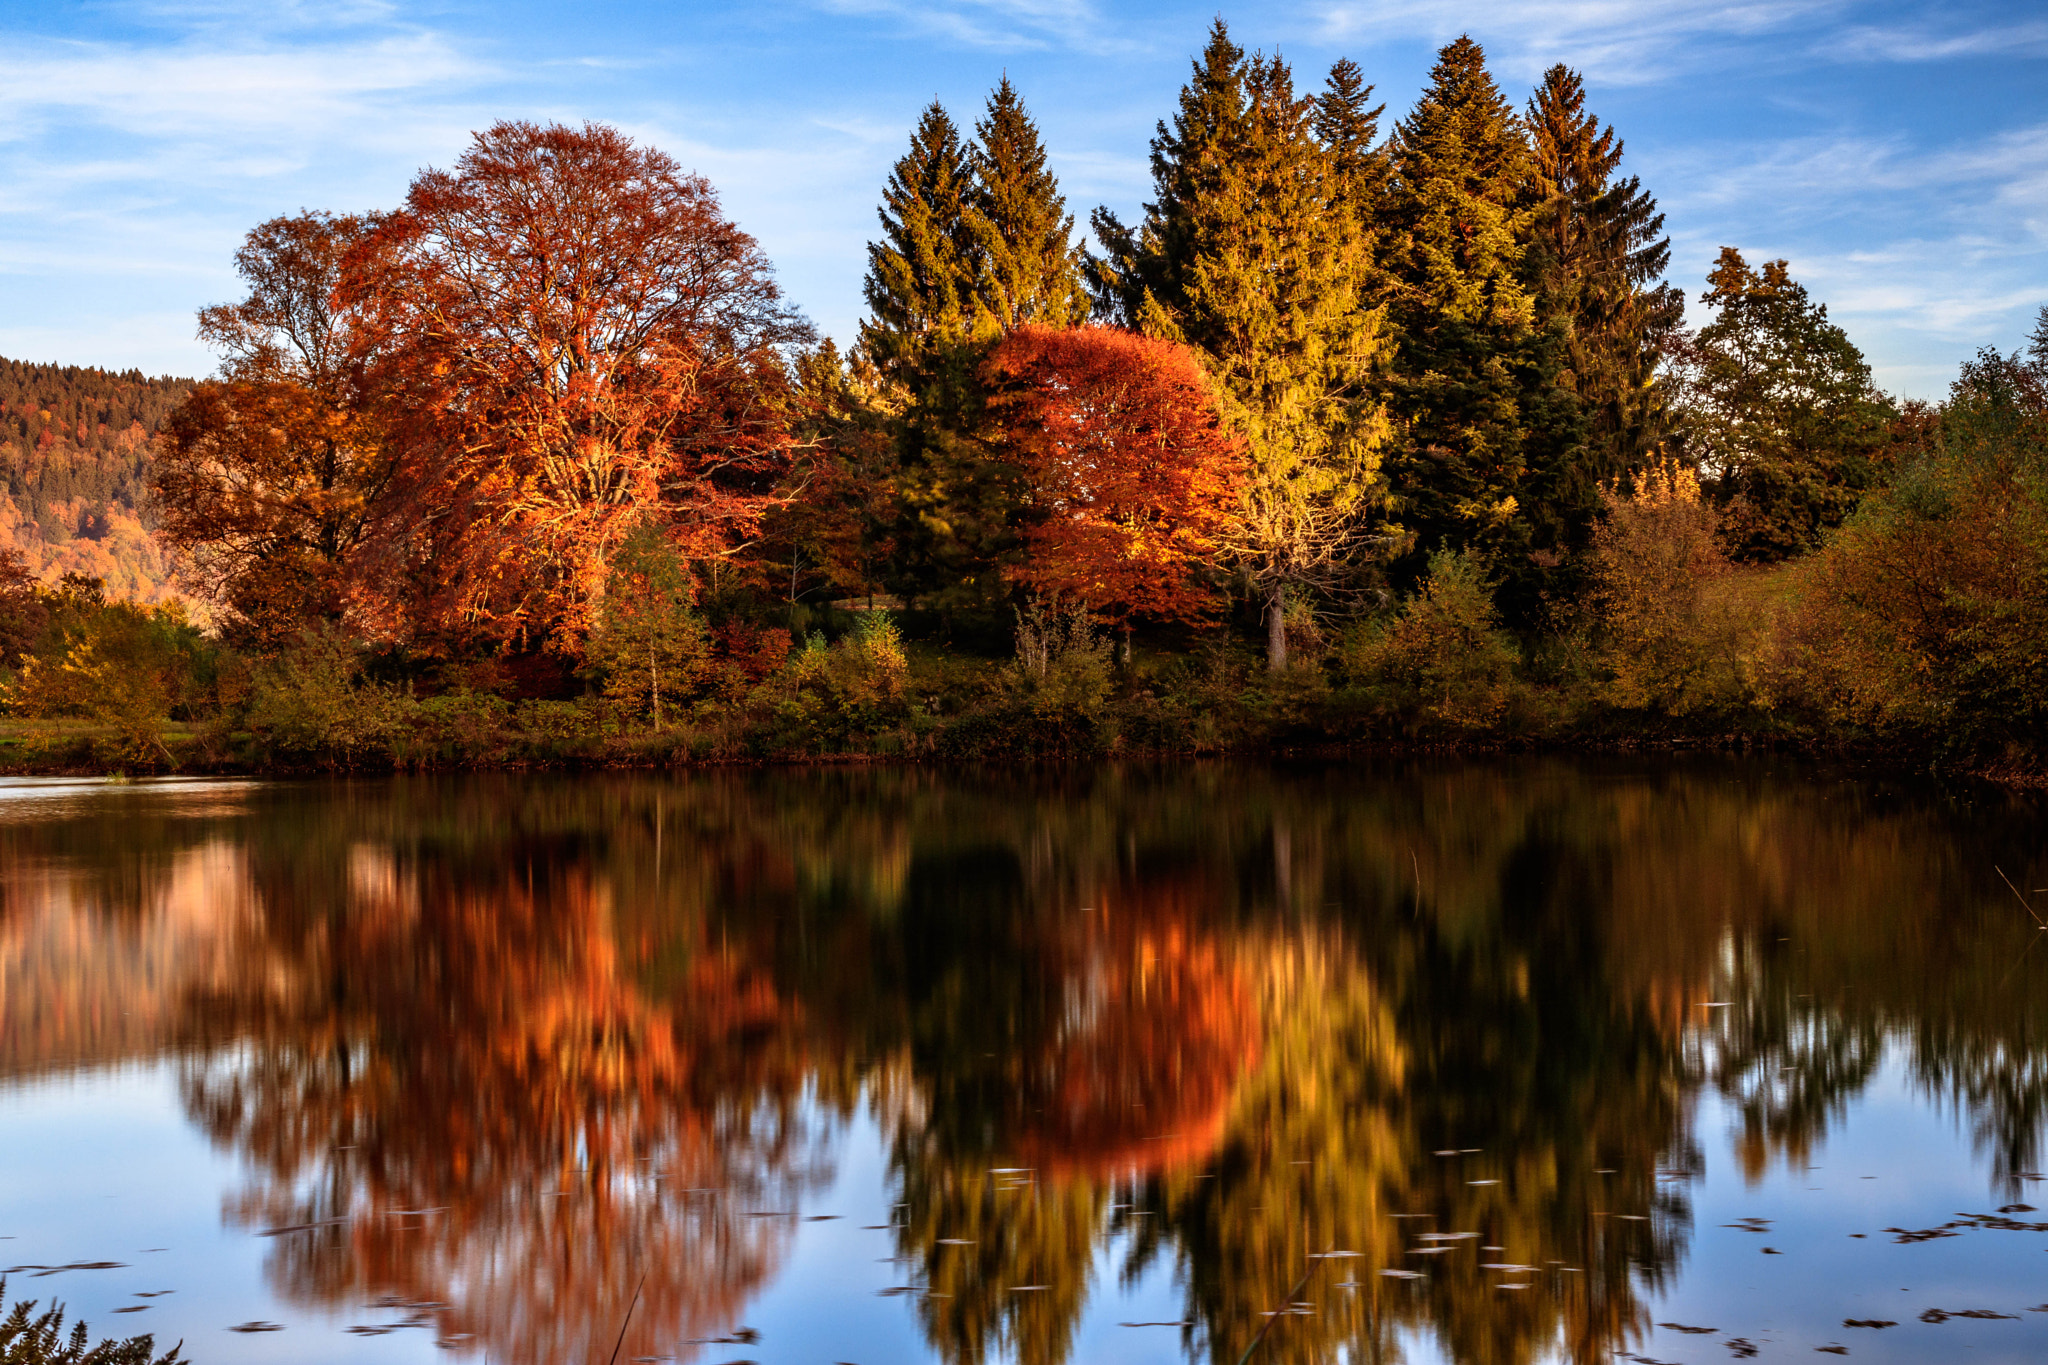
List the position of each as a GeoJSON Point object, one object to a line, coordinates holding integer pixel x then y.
{"type": "Point", "coordinates": [1597, 258]}
{"type": "Point", "coordinates": [1486, 428]}
{"type": "Point", "coordinates": [1028, 267]}
{"type": "Point", "coordinates": [1256, 252]}
{"type": "Point", "coordinates": [1347, 124]}
{"type": "Point", "coordinates": [924, 336]}
{"type": "Point", "coordinates": [921, 275]}
{"type": "Point", "coordinates": [976, 239]}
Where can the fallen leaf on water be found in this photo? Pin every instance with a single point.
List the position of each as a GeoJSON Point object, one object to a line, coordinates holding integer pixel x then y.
{"type": "Point", "coordinates": [133, 1308]}
{"type": "Point", "coordinates": [1868, 1322]}
{"type": "Point", "coordinates": [301, 1227]}
{"type": "Point", "coordinates": [1772, 1251]}
{"type": "Point", "coordinates": [1681, 1327]}
{"type": "Point", "coordinates": [1833, 1350]}
{"type": "Point", "coordinates": [257, 1326]}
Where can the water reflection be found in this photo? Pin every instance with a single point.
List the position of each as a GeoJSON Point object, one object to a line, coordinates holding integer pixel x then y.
{"type": "Point", "coordinates": [545, 1055]}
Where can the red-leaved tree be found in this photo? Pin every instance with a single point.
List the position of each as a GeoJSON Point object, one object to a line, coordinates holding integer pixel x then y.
{"type": "Point", "coordinates": [588, 346]}
{"type": "Point", "coordinates": [1134, 474]}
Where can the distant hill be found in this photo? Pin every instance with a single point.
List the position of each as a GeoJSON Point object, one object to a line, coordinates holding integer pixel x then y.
{"type": "Point", "coordinates": [75, 451]}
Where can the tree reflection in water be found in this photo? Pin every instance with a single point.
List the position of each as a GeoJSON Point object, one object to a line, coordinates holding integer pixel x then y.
{"type": "Point", "coordinates": [513, 1045]}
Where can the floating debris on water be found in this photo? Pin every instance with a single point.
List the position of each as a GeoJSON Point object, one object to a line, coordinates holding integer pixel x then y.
{"type": "Point", "coordinates": [257, 1326]}
{"type": "Point", "coordinates": [1681, 1327]}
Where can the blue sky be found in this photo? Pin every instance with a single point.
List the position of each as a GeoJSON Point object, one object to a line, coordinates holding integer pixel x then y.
{"type": "Point", "coordinates": [1896, 154]}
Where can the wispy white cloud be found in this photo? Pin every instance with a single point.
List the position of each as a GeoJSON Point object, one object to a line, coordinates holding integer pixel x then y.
{"type": "Point", "coordinates": [268, 93]}
{"type": "Point", "coordinates": [1913, 246]}
{"type": "Point", "coordinates": [999, 25]}
{"type": "Point", "coordinates": [1932, 43]}
{"type": "Point", "coordinates": [1619, 42]}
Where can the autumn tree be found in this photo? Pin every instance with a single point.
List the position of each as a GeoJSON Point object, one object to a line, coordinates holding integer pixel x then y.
{"type": "Point", "coordinates": [835, 533]}
{"type": "Point", "coordinates": [1596, 259]}
{"type": "Point", "coordinates": [273, 479]}
{"type": "Point", "coordinates": [1132, 470]}
{"type": "Point", "coordinates": [1653, 555]}
{"type": "Point", "coordinates": [1779, 411]}
{"type": "Point", "coordinates": [592, 348]}
{"type": "Point", "coordinates": [1928, 613]}
{"type": "Point", "coordinates": [24, 612]}
{"type": "Point", "coordinates": [1255, 252]}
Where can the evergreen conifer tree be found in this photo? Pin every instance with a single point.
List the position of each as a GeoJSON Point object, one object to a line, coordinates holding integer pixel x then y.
{"type": "Point", "coordinates": [1486, 428]}
{"type": "Point", "coordinates": [923, 337]}
{"type": "Point", "coordinates": [921, 275]}
{"type": "Point", "coordinates": [1597, 258]}
{"type": "Point", "coordinates": [1349, 130]}
{"type": "Point", "coordinates": [1028, 268]}
{"type": "Point", "coordinates": [1143, 273]}
{"type": "Point", "coordinates": [1253, 253]}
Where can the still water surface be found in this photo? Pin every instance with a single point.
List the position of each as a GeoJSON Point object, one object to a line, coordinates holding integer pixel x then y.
{"type": "Point", "coordinates": [1443, 1062]}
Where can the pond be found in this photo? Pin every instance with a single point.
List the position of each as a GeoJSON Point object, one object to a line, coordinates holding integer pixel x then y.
{"type": "Point", "coordinates": [1420, 1061]}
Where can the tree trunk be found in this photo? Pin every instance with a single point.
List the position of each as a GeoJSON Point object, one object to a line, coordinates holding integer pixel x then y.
{"type": "Point", "coordinates": [1276, 628]}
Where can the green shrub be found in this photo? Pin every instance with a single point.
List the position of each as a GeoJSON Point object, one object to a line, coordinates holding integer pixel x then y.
{"type": "Point", "coordinates": [118, 664]}
{"type": "Point", "coordinates": [313, 698]}
{"type": "Point", "coordinates": [1444, 656]}
{"type": "Point", "coordinates": [1063, 659]}
{"type": "Point", "coordinates": [834, 695]}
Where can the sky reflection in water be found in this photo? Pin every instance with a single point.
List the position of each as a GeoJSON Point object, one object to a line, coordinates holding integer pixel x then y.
{"type": "Point", "coordinates": [879, 1066]}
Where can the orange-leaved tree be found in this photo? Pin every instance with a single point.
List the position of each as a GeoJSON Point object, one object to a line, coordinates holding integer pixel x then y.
{"type": "Point", "coordinates": [592, 347]}
{"type": "Point", "coordinates": [274, 479]}
{"type": "Point", "coordinates": [1133, 472]}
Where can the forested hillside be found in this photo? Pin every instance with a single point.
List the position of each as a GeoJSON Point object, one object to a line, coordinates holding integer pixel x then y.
{"type": "Point", "coordinates": [75, 449]}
